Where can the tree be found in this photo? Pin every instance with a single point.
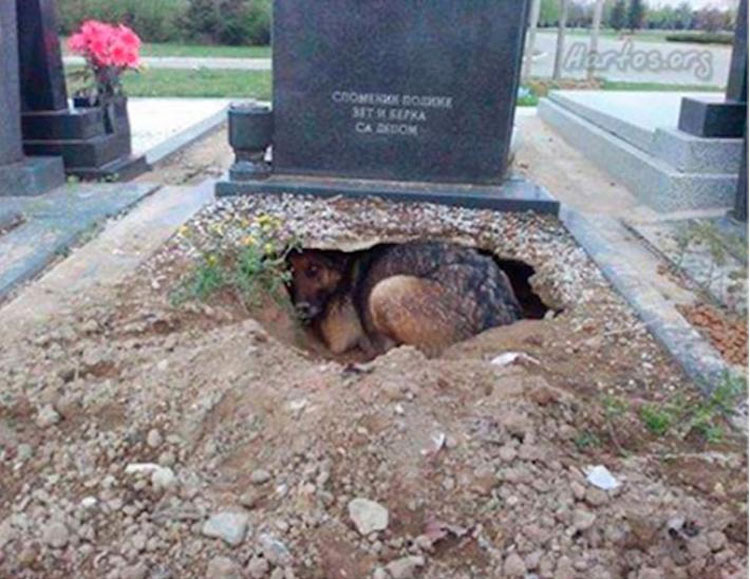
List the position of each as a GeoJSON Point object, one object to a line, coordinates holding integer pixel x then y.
{"type": "Point", "coordinates": [636, 15]}
{"type": "Point", "coordinates": [617, 17]}
{"type": "Point", "coordinates": [683, 16]}
{"type": "Point", "coordinates": [549, 13]}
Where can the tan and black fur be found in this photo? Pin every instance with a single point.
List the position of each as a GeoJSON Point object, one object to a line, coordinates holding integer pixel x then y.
{"type": "Point", "coordinates": [427, 294]}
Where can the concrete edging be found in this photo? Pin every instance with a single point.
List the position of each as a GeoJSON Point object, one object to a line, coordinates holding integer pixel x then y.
{"type": "Point", "coordinates": [697, 357]}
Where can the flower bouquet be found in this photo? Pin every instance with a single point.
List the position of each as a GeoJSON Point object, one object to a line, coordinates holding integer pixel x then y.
{"type": "Point", "coordinates": [109, 50]}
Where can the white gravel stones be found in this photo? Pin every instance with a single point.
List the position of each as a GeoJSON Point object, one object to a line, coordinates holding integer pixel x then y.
{"type": "Point", "coordinates": [56, 534]}
{"type": "Point", "coordinates": [406, 567]}
{"type": "Point", "coordinates": [47, 416]}
{"type": "Point", "coordinates": [223, 568]}
{"type": "Point", "coordinates": [228, 526]}
{"type": "Point", "coordinates": [368, 516]}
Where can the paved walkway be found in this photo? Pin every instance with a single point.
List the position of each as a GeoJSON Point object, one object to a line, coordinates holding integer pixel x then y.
{"type": "Point", "coordinates": [189, 63]}
{"type": "Point", "coordinates": [683, 63]}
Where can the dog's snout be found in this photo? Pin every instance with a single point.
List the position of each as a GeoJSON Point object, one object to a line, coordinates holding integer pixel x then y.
{"type": "Point", "coordinates": [305, 310]}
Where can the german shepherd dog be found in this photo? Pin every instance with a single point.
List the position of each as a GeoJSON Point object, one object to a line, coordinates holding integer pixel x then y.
{"type": "Point", "coordinates": [422, 293]}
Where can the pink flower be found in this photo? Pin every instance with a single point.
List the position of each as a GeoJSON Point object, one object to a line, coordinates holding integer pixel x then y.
{"type": "Point", "coordinates": [77, 42]}
{"type": "Point", "coordinates": [128, 37]}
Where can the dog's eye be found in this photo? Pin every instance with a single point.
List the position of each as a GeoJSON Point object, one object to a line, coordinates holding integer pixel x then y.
{"type": "Point", "coordinates": [312, 271]}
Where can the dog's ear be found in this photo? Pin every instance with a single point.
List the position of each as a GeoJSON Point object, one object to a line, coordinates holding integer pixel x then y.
{"type": "Point", "coordinates": [337, 260]}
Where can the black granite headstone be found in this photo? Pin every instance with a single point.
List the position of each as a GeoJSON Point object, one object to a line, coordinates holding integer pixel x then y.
{"type": "Point", "coordinates": [18, 175]}
{"type": "Point", "coordinates": [42, 73]}
{"type": "Point", "coordinates": [408, 91]}
{"type": "Point", "coordinates": [93, 141]}
{"type": "Point", "coordinates": [727, 119]}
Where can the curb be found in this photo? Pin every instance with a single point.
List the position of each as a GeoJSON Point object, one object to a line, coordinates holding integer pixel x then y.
{"type": "Point", "coordinates": [698, 358]}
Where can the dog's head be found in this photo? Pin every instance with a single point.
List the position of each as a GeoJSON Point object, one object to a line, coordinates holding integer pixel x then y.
{"type": "Point", "coordinates": [316, 276]}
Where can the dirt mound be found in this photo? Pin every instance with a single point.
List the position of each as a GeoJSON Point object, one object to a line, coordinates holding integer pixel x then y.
{"type": "Point", "coordinates": [138, 439]}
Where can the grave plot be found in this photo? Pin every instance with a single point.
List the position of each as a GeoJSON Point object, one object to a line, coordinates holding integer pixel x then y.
{"type": "Point", "coordinates": [185, 425]}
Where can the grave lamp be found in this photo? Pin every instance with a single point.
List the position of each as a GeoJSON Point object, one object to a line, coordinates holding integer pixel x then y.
{"type": "Point", "coordinates": [250, 134]}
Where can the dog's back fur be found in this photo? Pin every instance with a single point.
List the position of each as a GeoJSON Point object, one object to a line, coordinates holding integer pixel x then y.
{"type": "Point", "coordinates": [427, 294]}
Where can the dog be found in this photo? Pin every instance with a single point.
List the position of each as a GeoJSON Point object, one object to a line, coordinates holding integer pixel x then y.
{"type": "Point", "coordinates": [423, 293]}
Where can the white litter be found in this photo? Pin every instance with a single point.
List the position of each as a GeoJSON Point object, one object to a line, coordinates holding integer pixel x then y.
{"type": "Point", "coordinates": [601, 478]}
{"type": "Point", "coordinates": [508, 358]}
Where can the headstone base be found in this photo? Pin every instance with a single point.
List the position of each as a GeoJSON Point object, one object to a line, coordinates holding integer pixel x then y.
{"type": "Point", "coordinates": [515, 194]}
{"type": "Point", "coordinates": [32, 176]}
{"type": "Point", "coordinates": [116, 171]}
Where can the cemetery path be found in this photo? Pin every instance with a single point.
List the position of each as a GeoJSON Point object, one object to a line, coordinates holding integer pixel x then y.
{"type": "Point", "coordinates": [680, 63]}
{"type": "Point", "coordinates": [192, 63]}
{"type": "Point", "coordinates": [690, 72]}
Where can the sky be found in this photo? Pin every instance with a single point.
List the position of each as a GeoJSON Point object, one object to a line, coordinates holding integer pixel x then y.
{"type": "Point", "coordinates": [695, 3]}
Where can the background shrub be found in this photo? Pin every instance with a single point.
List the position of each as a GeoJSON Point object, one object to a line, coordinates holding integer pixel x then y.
{"type": "Point", "coordinates": [229, 22]}
{"type": "Point", "coordinates": [702, 37]}
{"type": "Point", "coordinates": [153, 20]}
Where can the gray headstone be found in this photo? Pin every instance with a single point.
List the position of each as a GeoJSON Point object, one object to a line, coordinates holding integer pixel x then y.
{"type": "Point", "coordinates": [10, 107]}
{"type": "Point", "coordinates": [408, 91]}
{"type": "Point", "coordinates": [737, 82]}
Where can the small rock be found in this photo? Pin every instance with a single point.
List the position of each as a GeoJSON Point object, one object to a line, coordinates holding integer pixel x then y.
{"type": "Point", "coordinates": [89, 502]}
{"type": "Point", "coordinates": [249, 499]}
{"type": "Point", "coordinates": [260, 476]}
{"type": "Point", "coordinates": [47, 416]}
{"type": "Point", "coordinates": [163, 478]}
{"type": "Point", "coordinates": [647, 573]}
{"type": "Point", "coordinates": [223, 568]}
{"type": "Point", "coordinates": [596, 497]}
{"type": "Point", "coordinates": [379, 573]}
{"type": "Point", "coordinates": [229, 526]}
{"type": "Point", "coordinates": [137, 571]}
{"type": "Point", "coordinates": [274, 550]}
{"type": "Point", "coordinates": [56, 534]}
{"type": "Point", "coordinates": [514, 566]}
{"type": "Point", "coordinates": [257, 568]}
{"type": "Point", "coordinates": [716, 540]}
{"type": "Point", "coordinates": [405, 568]}
{"type": "Point", "coordinates": [368, 516]}
{"type": "Point", "coordinates": [154, 438]}
{"type": "Point", "coordinates": [507, 453]}
{"type": "Point", "coordinates": [583, 519]}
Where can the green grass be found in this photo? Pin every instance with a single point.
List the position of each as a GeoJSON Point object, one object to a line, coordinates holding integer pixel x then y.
{"type": "Point", "coordinates": [658, 87]}
{"type": "Point", "coordinates": [197, 51]}
{"type": "Point", "coordinates": [196, 83]}
{"type": "Point", "coordinates": [639, 36]}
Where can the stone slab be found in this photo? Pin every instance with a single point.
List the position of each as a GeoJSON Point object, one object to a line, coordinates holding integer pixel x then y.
{"type": "Point", "coordinates": [515, 194]}
{"type": "Point", "coordinates": [633, 116]}
{"type": "Point", "coordinates": [690, 154]}
{"type": "Point", "coordinates": [32, 176]}
{"type": "Point", "coordinates": [412, 91]}
{"type": "Point", "coordinates": [112, 255]}
{"type": "Point", "coordinates": [653, 181]}
{"type": "Point", "coordinates": [55, 221]}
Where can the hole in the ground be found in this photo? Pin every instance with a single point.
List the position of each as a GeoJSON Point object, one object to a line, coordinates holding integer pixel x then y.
{"type": "Point", "coordinates": [334, 292]}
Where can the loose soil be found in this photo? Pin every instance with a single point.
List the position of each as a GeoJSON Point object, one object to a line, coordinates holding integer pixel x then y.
{"type": "Point", "coordinates": [480, 466]}
{"type": "Point", "coordinates": [727, 332]}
